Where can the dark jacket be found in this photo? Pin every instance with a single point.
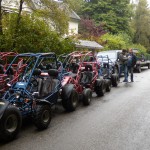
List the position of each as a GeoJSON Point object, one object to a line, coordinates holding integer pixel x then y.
{"type": "Point", "coordinates": [132, 59]}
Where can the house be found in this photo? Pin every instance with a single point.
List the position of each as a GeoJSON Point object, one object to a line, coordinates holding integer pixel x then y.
{"type": "Point", "coordinates": [13, 5]}
{"type": "Point", "coordinates": [73, 23]}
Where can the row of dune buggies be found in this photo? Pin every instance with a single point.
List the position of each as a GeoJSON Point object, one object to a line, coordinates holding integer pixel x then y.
{"type": "Point", "coordinates": [31, 83]}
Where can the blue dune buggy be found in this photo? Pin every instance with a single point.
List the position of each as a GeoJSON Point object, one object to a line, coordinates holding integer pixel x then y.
{"type": "Point", "coordinates": [38, 88]}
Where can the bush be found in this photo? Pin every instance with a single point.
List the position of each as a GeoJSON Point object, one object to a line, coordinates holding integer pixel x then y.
{"type": "Point", "coordinates": [120, 41]}
{"type": "Point", "coordinates": [32, 35]}
{"type": "Point", "coordinates": [139, 47]}
{"type": "Point", "coordinates": [112, 42]}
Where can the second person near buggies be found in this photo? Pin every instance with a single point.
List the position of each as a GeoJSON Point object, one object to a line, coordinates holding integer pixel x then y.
{"type": "Point", "coordinates": [131, 63]}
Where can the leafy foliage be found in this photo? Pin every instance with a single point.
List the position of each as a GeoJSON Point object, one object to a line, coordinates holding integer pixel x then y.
{"type": "Point", "coordinates": [113, 41]}
{"type": "Point", "coordinates": [33, 36]}
{"type": "Point", "coordinates": [89, 29]}
{"type": "Point", "coordinates": [140, 48]}
{"type": "Point", "coordinates": [120, 41]}
{"type": "Point", "coordinates": [76, 5]}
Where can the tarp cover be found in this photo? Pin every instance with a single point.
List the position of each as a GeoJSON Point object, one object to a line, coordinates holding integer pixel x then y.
{"type": "Point", "coordinates": [88, 44]}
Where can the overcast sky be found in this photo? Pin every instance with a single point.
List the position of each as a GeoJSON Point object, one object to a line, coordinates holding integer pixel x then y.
{"type": "Point", "coordinates": [138, 0]}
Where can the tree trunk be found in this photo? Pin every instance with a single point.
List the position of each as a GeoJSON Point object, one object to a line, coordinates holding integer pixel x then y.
{"type": "Point", "coordinates": [1, 28]}
{"type": "Point", "coordinates": [19, 14]}
{"type": "Point", "coordinates": [17, 23]}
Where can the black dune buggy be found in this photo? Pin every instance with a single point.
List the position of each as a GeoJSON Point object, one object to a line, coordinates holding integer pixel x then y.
{"type": "Point", "coordinates": [38, 89]}
{"type": "Point", "coordinates": [108, 70]}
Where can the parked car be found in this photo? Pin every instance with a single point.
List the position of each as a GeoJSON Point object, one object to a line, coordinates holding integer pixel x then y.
{"type": "Point", "coordinates": [142, 61]}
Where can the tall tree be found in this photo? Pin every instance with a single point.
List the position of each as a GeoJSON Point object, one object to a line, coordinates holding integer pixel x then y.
{"type": "Point", "coordinates": [142, 24]}
{"type": "Point", "coordinates": [114, 14]}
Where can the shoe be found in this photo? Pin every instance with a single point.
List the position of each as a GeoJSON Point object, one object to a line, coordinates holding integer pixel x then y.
{"type": "Point", "coordinates": [132, 81]}
{"type": "Point", "coordinates": [125, 80]}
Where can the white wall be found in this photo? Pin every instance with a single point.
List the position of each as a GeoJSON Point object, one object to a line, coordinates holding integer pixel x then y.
{"type": "Point", "coordinates": [14, 5]}
{"type": "Point", "coordinates": [73, 27]}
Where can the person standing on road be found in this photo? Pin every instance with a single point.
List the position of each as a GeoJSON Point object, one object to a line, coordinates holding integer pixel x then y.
{"type": "Point", "coordinates": [131, 63]}
{"type": "Point", "coordinates": [123, 59]}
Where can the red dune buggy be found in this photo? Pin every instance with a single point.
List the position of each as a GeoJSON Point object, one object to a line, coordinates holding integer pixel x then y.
{"type": "Point", "coordinates": [84, 74]}
{"type": "Point", "coordinates": [9, 75]}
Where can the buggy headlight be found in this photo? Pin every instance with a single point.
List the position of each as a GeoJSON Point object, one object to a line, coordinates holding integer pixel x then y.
{"type": "Point", "coordinates": [26, 100]}
{"type": "Point", "coordinates": [18, 95]}
{"type": "Point", "coordinates": [8, 84]}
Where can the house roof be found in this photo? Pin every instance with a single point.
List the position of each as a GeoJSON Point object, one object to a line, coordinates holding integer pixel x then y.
{"type": "Point", "coordinates": [88, 44]}
{"type": "Point", "coordinates": [73, 15]}
{"type": "Point", "coordinates": [35, 4]}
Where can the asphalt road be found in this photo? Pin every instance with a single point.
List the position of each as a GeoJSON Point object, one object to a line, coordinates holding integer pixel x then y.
{"type": "Point", "coordinates": [118, 121]}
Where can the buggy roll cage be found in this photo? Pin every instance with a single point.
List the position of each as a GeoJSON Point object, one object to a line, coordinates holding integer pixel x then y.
{"type": "Point", "coordinates": [81, 54]}
{"type": "Point", "coordinates": [24, 91]}
{"type": "Point", "coordinates": [106, 56]}
{"type": "Point", "coordinates": [4, 55]}
{"type": "Point", "coordinates": [37, 57]}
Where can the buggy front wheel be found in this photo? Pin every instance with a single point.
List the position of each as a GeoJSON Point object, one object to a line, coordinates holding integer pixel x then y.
{"type": "Point", "coordinates": [42, 116]}
{"type": "Point", "coordinates": [115, 80]}
{"type": "Point", "coordinates": [100, 89]}
{"type": "Point", "coordinates": [87, 96]}
{"type": "Point", "coordinates": [71, 102]}
{"type": "Point", "coordinates": [10, 123]}
{"type": "Point", "coordinates": [108, 85]}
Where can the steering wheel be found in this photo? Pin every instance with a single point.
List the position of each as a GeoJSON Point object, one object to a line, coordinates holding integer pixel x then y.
{"type": "Point", "coordinates": [33, 81]}
{"type": "Point", "coordinates": [33, 84]}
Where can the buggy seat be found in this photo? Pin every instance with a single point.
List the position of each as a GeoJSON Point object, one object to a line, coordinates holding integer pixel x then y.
{"type": "Point", "coordinates": [87, 75]}
{"type": "Point", "coordinates": [47, 84]}
{"type": "Point", "coordinates": [74, 67]}
{"type": "Point", "coordinates": [105, 70]}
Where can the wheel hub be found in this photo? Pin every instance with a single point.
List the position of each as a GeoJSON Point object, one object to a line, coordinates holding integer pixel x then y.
{"type": "Point", "coordinates": [11, 123]}
{"type": "Point", "coordinates": [45, 116]}
{"type": "Point", "coordinates": [74, 101]}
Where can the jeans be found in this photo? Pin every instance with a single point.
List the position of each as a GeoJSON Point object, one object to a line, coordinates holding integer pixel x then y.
{"type": "Point", "coordinates": [123, 68]}
{"type": "Point", "coordinates": [130, 69]}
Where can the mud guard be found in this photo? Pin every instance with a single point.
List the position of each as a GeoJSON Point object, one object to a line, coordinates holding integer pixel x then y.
{"type": "Point", "coordinates": [3, 106]}
{"type": "Point", "coordinates": [99, 82]}
{"type": "Point", "coordinates": [43, 101]}
{"type": "Point", "coordinates": [66, 90]}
